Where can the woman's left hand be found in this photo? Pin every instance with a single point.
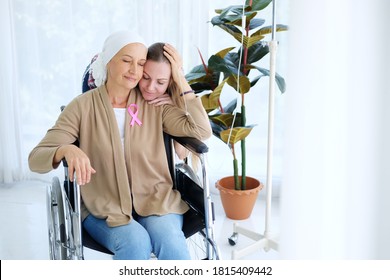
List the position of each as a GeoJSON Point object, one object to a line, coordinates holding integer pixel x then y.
{"type": "Point", "coordinates": [161, 100]}
{"type": "Point", "coordinates": [176, 62]}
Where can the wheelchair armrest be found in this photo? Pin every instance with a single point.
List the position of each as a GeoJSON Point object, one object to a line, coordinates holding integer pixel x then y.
{"type": "Point", "coordinates": [192, 144]}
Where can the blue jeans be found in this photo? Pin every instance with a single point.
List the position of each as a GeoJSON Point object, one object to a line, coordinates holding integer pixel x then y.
{"type": "Point", "coordinates": [161, 235]}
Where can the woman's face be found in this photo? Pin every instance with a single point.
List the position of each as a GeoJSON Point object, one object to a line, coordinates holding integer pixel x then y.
{"type": "Point", "coordinates": [126, 67]}
{"type": "Point", "coordinates": [155, 79]}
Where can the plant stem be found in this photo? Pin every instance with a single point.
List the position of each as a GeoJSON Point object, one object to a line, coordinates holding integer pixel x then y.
{"type": "Point", "coordinates": [235, 169]}
{"type": "Point", "coordinates": [243, 165]}
{"type": "Point", "coordinates": [220, 106]}
{"type": "Point", "coordinates": [236, 181]}
{"type": "Point", "coordinates": [243, 114]}
{"type": "Point", "coordinates": [243, 150]}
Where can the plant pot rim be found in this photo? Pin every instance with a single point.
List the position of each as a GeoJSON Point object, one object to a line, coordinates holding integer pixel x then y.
{"type": "Point", "coordinates": [254, 186]}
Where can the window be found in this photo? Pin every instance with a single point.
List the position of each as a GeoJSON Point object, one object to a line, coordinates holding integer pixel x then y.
{"type": "Point", "coordinates": [50, 42]}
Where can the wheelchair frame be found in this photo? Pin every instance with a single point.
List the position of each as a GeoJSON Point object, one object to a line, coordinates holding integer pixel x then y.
{"type": "Point", "coordinates": [67, 238]}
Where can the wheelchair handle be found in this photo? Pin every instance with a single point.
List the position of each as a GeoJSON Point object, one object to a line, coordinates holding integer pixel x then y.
{"type": "Point", "coordinates": [193, 144]}
{"type": "Point", "coordinates": [64, 163]}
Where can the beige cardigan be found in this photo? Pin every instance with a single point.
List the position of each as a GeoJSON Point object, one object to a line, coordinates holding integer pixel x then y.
{"type": "Point", "coordinates": [137, 177]}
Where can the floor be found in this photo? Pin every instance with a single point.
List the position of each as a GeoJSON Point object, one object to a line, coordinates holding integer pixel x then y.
{"type": "Point", "coordinates": [23, 233]}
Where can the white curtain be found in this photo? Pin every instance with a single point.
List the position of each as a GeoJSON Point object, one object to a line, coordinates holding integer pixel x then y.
{"type": "Point", "coordinates": [47, 44]}
{"type": "Point", "coordinates": [335, 195]}
{"type": "Point", "coordinates": [11, 167]}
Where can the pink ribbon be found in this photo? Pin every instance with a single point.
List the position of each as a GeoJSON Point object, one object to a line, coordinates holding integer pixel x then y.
{"type": "Point", "coordinates": [134, 114]}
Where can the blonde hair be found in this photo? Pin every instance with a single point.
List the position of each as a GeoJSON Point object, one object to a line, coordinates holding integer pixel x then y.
{"type": "Point", "coordinates": [156, 54]}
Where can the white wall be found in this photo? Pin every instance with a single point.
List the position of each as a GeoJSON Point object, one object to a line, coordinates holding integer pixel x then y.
{"type": "Point", "coordinates": [335, 182]}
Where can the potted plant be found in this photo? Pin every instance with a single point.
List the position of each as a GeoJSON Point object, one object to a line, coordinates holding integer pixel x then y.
{"type": "Point", "coordinates": [232, 66]}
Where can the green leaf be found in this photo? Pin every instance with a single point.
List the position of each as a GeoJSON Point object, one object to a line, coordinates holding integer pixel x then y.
{"type": "Point", "coordinates": [226, 120]}
{"type": "Point", "coordinates": [234, 9]}
{"type": "Point", "coordinates": [224, 52]}
{"type": "Point", "coordinates": [216, 21]}
{"type": "Point", "coordinates": [231, 106]}
{"type": "Point", "coordinates": [268, 29]}
{"type": "Point", "coordinates": [256, 52]}
{"type": "Point", "coordinates": [253, 39]}
{"type": "Point", "coordinates": [234, 58]}
{"type": "Point", "coordinates": [245, 40]}
{"type": "Point", "coordinates": [237, 19]}
{"type": "Point", "coordinates": [219, 64]}
{"type": "Point", "coordinates": [256, 22]}
{"type": "Point", "coordinates": [196, 73]}
{"type": "Point", "coordinates": [238, 133]}
{"type": "Point", "coordinates": [244, 83]}
{"type": "Point", "coordinates": [258, 5]}
{"type": "Point", "coordinates": [196, 78]}
{"type": "Point", "coordinates": [216, 128]}
{"type": "Point", "coordinates": [206, 83]}
{"type": "Point", "coordinates": [232, 30]}
{"type": "Point", "coordinates": [200, 80]}
{"type": "Point", "coordinates": [255, 80]}
{"type": "Point", "coordinates": [210, 101]}
{"type": "Point", "coordinates": [278, 79]}
{"type": "Point", "coordinates": [205, 79]}
{"type": "Point", "coordinates": [201, 87]}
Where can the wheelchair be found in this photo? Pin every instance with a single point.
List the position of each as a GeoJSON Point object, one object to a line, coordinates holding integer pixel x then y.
{"type": "Point", "coordinates": [67, 238]}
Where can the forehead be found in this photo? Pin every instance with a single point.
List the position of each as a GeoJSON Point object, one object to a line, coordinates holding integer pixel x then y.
{"type": "Point", "coordinates": [157, 69]}
{"type": "Point", "coordinates": [135, 50]}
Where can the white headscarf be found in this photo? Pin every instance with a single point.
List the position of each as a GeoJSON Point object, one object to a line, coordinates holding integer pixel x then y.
{"type": "Point", "coordinates": [113, 44]}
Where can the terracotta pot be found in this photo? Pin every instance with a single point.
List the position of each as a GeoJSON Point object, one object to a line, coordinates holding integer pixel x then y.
{"type": "Point", "coordinates": [238, 205]}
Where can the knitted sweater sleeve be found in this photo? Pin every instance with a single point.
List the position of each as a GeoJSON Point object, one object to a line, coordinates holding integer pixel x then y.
{"type": "Point", "coordinates": [193, 123]}
{"type": "Point", "coordinates": [65, 131]}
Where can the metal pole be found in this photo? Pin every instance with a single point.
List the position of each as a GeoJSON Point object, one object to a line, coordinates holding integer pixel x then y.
{"type": "Point", "coordinates": [273, 49]}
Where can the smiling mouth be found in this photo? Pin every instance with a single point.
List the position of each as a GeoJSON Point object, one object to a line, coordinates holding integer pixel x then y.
{"type": "Point", "coordinates": [132, 79]}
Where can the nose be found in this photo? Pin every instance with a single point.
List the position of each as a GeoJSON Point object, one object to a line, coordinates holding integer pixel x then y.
{"type": "Point", "coordinates": [135, 68]}
{"type": "Point", "coordinates": [150, 85]}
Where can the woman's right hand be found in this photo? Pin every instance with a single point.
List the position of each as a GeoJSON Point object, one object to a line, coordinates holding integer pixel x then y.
{"type": "Point", "coordinates": [177, 70]}
{"type": "Point", "coordinates": [78, 162]}
{"type": "Point", "coordinates": [176, 62]}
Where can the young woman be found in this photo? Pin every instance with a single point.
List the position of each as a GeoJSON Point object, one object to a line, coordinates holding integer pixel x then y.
{"type": "Point", "coordinates": [129, 205]}
{"type": "Point", "coordinates": [157, 85]}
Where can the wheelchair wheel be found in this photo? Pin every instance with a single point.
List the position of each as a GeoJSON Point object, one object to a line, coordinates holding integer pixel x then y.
{"type": "Point", "coordinates": [56, 221]}
{"type": "Point", "coordinates": [201, 247]}
{"type": "Point", "coordinates": [197, 246]}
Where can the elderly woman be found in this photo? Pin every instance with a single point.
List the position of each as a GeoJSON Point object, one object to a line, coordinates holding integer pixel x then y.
{"type": "Point", "coordinates": [129, 205]}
